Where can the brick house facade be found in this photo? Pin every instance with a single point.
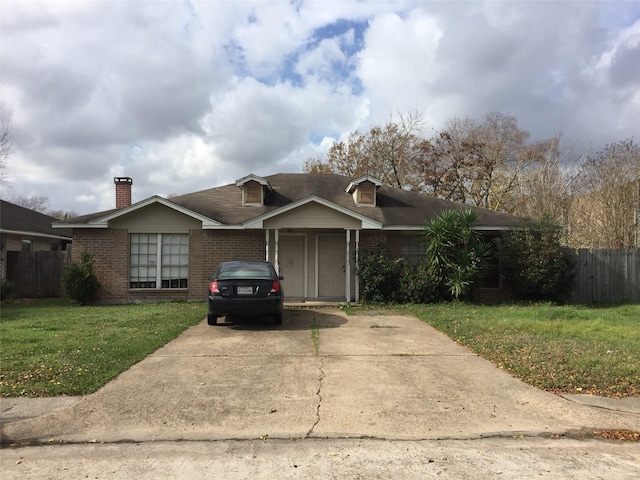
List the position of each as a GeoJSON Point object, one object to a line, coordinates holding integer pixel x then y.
{"type": "Point", "coordinates": [309, 226]}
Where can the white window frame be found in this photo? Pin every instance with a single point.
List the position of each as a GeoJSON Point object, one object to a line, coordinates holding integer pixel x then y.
{"type": "Point", "coordinates": [156, 261]}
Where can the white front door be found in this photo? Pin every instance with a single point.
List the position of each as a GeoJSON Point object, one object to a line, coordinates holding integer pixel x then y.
{"type": "Point", "coordinates": [331, 266]}
{"type": "Point", "coordinates": [291, 259]}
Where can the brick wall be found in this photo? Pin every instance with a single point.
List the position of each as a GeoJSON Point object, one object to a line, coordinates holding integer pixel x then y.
{"type": "Point", "coordinates": [374, 240]}
{"type": "Point", "coordinates": [110, 250]}
{"type": "Point", "coordinates": [207, 248]}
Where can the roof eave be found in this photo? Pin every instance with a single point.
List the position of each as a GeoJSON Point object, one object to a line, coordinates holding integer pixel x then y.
{"type": "Point", "coordinates": [34, 234]}
{"type": "Point", "coordinates": [480, 228]}
{"type": "Point", "coordinates": [103, 222]}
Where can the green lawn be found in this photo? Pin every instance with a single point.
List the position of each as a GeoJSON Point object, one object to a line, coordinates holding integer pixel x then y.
{"type": "Point", "coordinates": [570, 349]}
{"type": "Point", "coordinates": [50, 347]}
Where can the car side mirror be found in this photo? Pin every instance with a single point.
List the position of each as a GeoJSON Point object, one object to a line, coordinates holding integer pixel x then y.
{"type": "Point", "coordinates": [280, 277]}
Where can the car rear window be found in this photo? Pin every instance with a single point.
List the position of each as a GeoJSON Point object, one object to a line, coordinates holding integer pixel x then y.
{"type": "Point", "coordinates": [245, 271]}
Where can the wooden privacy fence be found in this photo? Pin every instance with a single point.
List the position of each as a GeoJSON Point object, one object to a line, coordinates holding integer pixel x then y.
{"type": "Point", "coordinates": [37, 274]}
{"type": "Point", "coordinates": [607, 276]}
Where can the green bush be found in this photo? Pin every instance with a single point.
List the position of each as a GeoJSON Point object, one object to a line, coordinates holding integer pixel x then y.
{"type": "Point", "coordinates": [6, 289]}
{"type": "Point", "coordinates": [386, 280]}
{"type": "Point", "coordinates": [535, 264]}
{"type": "Point", "coordinates": [79, 281]}
{"type": "Point", "coordinates": [417, 285]}
{"type": "Point", "coordinates": [379, 276]}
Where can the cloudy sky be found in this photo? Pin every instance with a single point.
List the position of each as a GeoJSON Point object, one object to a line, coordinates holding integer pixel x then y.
{"type": "Point", "coordinates": [187, 95]}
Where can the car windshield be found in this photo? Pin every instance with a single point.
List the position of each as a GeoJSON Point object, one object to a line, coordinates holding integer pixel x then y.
{"type": "Point", "coordinates": [244, 271]}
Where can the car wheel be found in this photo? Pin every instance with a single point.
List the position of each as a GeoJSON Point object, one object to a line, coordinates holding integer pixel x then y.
{"type": "Point", "coordinates": [212, 319]}
{"type": "Point", "coordinates": [277, 319]}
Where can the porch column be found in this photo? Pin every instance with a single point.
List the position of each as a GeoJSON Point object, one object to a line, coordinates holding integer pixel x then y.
{"type": "Point", "coordinates": [276, 262]}
{"type": "Point", "coordinates": [347, 269]}
{"type": "Point", "coordinates": [266, 243]}
{"type": "Point", "coordinates": [357, 282]}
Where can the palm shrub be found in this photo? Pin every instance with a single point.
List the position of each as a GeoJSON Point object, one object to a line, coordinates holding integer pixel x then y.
{"type": "Point", "coordinates": [456, 253]}
{"type": "Point", "coordinates": [79, 281]}
{"type": "Point", "coordinates": [534, 263]}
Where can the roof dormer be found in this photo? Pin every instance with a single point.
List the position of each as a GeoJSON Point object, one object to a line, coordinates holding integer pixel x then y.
{"type": "Point", "coordinates": [363, 190]}
{"type": "Point", "coordinates": [254, 189]}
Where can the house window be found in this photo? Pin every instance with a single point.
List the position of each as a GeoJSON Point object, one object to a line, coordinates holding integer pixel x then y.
{"type": "Point", "coordinates": [175, 261]}
{"type": "Point", "coordinates": [54, 247]}
{"type": "Point", "coordinates": [413, 248]}
{"type": "Point", "coordinates": [143, 269]}
{"type": "Point", "coordinates": [159, 260]}
{"type": "Point", "coordinates": [26, 245]}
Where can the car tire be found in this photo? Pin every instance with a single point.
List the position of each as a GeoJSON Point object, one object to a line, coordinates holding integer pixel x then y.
{"type": "Point", "coordinates": [277, 319]}
{"type": "Point", "coordinates": [212, 319]}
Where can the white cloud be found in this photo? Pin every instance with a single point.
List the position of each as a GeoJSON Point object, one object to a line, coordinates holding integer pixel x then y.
{"type": "Point", "coordinates": [321, 61]}
{"type": "Point", "coordinates": [397, 65]}
{"type": "Point", "coordinates": [183, 96]}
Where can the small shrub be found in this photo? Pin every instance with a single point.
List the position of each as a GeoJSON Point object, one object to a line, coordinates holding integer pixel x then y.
{"type": "Point", "coordinates": [379, 275]}
{"type": "Point", "coordinates": [79, 281]}
{"type": "Point", "coordinates": [417, 285]}
{"type": "Point", "coordinates": [535, 264]}
{"type": "Point", "coordinates": [387, 280]}
{"type": "Point", "coordinates": [6, 289]}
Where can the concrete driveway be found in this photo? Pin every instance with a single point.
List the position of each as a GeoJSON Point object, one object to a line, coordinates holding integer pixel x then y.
{"type": "Point", "coordinates": [322, 374]}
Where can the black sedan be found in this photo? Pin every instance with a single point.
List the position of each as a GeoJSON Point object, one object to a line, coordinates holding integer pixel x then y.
{"type": "Point", "coordinates": [245, 289]}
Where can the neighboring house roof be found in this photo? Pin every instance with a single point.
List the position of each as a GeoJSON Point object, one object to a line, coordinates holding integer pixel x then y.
{"type": "Point", "coordinates": [22, 221]}
{"type": "Point", "coordinates": [395, 208]}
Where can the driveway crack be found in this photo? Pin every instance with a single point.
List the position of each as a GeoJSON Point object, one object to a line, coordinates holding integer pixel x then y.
{"type": "Point", "coordinates": [319, 395]}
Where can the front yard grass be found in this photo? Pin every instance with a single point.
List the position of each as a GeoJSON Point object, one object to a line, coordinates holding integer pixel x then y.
{"type": "Point", "coordinates": [561, 349]}
{"type": "Point", "coordinates": [50, 347]}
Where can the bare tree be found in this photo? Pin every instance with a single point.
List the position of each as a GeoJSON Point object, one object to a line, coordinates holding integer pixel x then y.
{"type": "Point", "coordinates": [62, 214]}
{"type": "Point", "coordinates": [36, 203]}
{"type": "Point", "coordinates": [546, 187]}
{"type": "Point", "coordinates": [386, 152]}
{"type": "Point", "coordinates": [605, 213]}
{"type": "Point", "coordinates": [5, 143]}
{"type": "Point", "coordinates": [477, 163]}
{"type": "Point", "coordinates": [317, 164]}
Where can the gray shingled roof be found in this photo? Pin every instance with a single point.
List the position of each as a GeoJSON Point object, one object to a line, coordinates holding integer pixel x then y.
{"type": "Point", "coordinates": [395, 207]}
{"type": "Point", "coordinates": [19, 219]}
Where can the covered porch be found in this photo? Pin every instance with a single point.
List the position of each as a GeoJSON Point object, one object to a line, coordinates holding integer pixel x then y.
{"type": "Point", "coordinates": [318, 265]}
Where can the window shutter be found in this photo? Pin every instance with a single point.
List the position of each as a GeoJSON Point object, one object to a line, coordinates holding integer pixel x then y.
{"type": "Point", "coordinates": [366, 192]}
{"type": "Point", "coordinates": [252, 193]}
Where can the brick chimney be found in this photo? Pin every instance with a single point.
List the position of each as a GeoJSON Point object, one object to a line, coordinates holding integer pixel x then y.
{"type": "Point", "coordinates": [123, 191]}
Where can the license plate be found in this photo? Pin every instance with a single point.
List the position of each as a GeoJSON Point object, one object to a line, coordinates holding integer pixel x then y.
{"type": "Point", "coordinates": [245, 290]}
